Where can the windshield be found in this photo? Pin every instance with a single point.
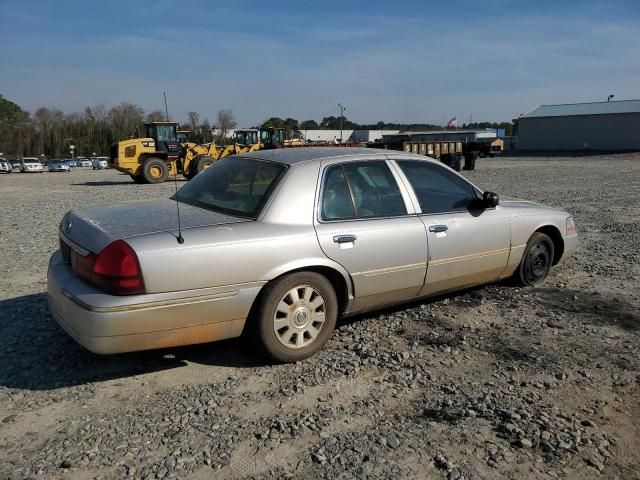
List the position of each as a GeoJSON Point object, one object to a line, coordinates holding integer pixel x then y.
{"type": "Point", "coordinates": [237, 186]}
{"type": "Point", "coordinates": [162, 133]}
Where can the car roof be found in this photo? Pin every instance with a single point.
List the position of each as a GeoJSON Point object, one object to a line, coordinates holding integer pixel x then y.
{"type": "Point", "coordinates": [292, 156]}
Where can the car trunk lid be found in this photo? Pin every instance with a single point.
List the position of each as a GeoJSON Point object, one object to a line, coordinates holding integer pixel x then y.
{"type": "Point", "coordinates": [93, 228]}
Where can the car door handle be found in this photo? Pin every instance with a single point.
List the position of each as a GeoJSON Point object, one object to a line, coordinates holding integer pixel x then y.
{"type": "Point", "coordinates": [438, 228]}
{"type": "Point", "coordinates": [344, 238]}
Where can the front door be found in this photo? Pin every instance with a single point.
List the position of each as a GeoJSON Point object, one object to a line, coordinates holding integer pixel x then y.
{"type": "Point", "coordinates": [467, 245]}
{"type": "Point", "coordinates": [366, 224]}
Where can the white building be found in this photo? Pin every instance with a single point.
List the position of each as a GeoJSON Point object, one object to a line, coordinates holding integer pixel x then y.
{"type": "Point", "coordinates": [348, 136]}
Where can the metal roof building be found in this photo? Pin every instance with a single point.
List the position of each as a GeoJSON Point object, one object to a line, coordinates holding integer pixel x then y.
{"type": "Point", "coordinates": [581, 126]}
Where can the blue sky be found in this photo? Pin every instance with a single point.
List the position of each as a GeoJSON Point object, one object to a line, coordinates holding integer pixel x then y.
{"type": "Point", "coordinates": [405, 61]}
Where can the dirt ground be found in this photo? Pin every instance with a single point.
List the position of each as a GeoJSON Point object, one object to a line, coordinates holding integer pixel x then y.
{"type": "Point", "coordinates": [493, 382]}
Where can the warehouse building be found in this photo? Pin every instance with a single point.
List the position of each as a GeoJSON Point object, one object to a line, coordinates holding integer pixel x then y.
{"type": "Point", "coordinates": [581, 126]}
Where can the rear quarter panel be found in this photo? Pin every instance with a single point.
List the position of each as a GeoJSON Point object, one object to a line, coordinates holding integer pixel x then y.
{"type": "Point", "coordinates": [281, 240]}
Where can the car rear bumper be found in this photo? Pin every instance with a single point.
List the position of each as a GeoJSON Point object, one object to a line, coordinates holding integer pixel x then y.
{"type": "Point", "coordinates": [113, 324]}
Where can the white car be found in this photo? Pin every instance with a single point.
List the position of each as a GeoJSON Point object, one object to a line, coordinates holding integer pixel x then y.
{"type": "Point", "coordinates": [58, 166]}
{"type": "Point", "coordinates": [84, 162]}
{"type": "Point", "coordinates": [100, 163]}
{"type": "Point", "coordinates": [30, 165]}
{"type": "Point", "coordinates": [5, 166]}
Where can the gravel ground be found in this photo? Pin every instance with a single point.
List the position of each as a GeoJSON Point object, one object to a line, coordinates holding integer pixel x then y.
{"type": "Point", "coordinates": [494, 382]}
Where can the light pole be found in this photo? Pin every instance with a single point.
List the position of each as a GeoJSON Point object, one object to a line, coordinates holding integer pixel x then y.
{"type": "Point", "coordinates": [71, 149]}
{"type": "Point", "coordinates": [342, 109]}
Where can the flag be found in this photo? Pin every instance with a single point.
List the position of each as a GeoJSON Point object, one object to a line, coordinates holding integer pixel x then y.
{"type": "Point", "coordinates": [453, 122]}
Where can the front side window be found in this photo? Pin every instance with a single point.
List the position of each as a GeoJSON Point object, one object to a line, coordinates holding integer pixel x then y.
{"type": "Point", "coordinates": [236, 186]}
{"type": "Point", "coordinates": [361, 190]}
{"type": "Point", "coordinates": [437, 189]}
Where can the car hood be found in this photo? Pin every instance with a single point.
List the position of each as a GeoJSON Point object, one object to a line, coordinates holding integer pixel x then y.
{"type": "Point", "coordinates": [94, 228]}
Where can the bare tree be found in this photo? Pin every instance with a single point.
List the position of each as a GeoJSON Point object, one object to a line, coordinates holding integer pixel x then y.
{"type": "Point", "coordinates": [126, 120]}
{"type": "Point", "coordinates": [194, 120]}
{"type": "Point", "coordinates": [156, 116]}
{"type": "Point", "coordinates": [225, 122]}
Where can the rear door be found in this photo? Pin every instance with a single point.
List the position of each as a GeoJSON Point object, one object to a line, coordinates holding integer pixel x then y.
{"type": "Point", "coordinates": [366, 222]}
{"type": "Point", "coordinates": [467, 245]}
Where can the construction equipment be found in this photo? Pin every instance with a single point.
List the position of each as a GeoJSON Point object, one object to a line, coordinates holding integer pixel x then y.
{"type": "Point", "coordinates": [247, 140]}
{"type": "Point", "coordinates": [166, 151]}
{"type": "Point", "coordinates": [450, 147]}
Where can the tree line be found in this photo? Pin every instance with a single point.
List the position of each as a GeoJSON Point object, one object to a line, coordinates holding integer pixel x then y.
{"type": "Point", "coordinates": [50, 131]}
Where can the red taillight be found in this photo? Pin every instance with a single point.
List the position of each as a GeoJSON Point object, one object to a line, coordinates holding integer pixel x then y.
{"type": "Point", "coordinates": [115, 269]}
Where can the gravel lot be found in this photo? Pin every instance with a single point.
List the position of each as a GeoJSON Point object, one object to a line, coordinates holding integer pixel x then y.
{"type": "Point", "coordinates": [495, 382]}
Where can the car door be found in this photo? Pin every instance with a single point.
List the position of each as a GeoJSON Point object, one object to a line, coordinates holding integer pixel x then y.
{"type": "Point", "coordinates": [467, 245]}
{"type": "Point", "coordinates": [366, 222]}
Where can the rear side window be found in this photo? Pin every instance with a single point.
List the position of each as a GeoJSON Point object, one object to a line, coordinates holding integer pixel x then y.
{"type": "Point", "coordinates": [438, 190]}
{"type": "Point", "coordinates": [361, 190]}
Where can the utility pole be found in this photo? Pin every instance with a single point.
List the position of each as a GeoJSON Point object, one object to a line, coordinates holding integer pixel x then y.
{"type": "Point", "coordinates": [342, 109]}
{"type": "Point", "coordinates": [166, 110]}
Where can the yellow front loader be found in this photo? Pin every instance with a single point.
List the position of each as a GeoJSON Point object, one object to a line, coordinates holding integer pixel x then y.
{"type": "Point", "coordinates": [166, 151]}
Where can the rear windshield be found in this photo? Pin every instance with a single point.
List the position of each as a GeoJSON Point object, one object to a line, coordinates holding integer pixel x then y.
{"type": "Point", "coordinates": [236, 186]}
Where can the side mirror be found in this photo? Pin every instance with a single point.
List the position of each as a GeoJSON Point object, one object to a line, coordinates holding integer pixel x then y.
{"type": "Point", "coordinates": [490, 199]}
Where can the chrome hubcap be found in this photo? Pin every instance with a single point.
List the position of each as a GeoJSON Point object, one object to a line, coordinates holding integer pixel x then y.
{"type": "Point", "coordinates": [299, 317]}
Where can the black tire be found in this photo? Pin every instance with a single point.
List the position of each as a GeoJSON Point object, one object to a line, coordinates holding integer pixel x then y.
{"type": "Point", "coordinates": [536, 261]}
{"type": "Point", "coordinates": [137, 178]}
{"type": "Point", "coordinates": [456, 162]}
{"type": "Point", "coordinates": [470, 160]}
{"type": "Point", "coordinates": [263, 316]}
{"type": "Point", "coordinates": [154, 170]}
{"type": "Point", "coordinates": [202, 163]}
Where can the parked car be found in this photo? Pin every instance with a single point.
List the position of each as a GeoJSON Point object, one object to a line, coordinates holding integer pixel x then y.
{"type": "Point", "coordinates": [281, 243]}
{"type": "Point", "coordinates": [16, 167]}
{"type": "Point", "coordinates": [5, 166]}
{"type": "Point", "coordinates": [59, 166]}
{"type": "Point", "coordinates": [71, 162]}
{"type": "Point", "coordinates": [84, 162]}
{"type": "Point", "coordinates": [30, 164]}
{"type": "Point", "coordinates": [100, 163]}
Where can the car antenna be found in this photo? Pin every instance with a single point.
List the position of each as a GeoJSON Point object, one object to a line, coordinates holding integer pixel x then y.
{"type": "Point", "coordinates": [180, 238]}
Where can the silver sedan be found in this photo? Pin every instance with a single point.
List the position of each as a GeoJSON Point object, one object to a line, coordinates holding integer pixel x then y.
{"type": "Point", "coordinates": [281, 243]}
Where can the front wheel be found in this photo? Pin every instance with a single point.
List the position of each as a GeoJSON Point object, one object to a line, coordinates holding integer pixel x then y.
{"type": "Point", "coordinates": [536, 261]}
{"type": "Point", "coordinates": [204, 162]}
{"type": "Point", "coordinates": [295, 316]}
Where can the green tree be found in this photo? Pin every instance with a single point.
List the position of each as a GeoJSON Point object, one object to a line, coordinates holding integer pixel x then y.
{"type": "Point", "coordinates": [309, 125]}
{"type": "Point", "coordinates": [15, 128]}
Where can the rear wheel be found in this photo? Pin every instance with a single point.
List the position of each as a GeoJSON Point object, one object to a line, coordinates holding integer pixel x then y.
{"type": "Point", "coordinates": [470, 160]}
{"type": "Point", "coordinates": [295, 316]}
{"type": "Point", "coordinates": [155, 170]}
{"type": "Point", "coordinates": [536, 261]}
